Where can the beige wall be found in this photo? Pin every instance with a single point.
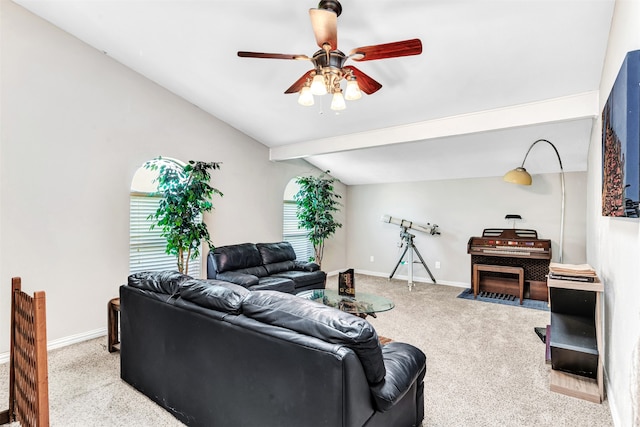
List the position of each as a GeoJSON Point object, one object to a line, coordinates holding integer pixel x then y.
{"type": "Point", "coordinates": [461, 208]}
{"type": "Point", "coordinates": [613, 245]}
{"type": "Point", "coordinates": [76, 125]}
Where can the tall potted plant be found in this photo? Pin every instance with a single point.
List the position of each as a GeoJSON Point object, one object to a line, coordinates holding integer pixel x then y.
{"type": "Point", "coordinates": [316, 202]}
{"type": "Point", "coordinates": [185, 195]}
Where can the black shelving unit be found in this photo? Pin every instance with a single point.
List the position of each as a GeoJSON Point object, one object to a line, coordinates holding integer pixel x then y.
{"type": "Point", "coordinates": [575, 339]}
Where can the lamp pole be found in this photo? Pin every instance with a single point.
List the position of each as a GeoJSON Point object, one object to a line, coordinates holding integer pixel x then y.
{"type": "Point", "coordinates": [562, 189]}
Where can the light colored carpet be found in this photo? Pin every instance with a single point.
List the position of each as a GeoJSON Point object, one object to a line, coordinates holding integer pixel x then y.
{"type": "Point", "coordinates": [485, 367]}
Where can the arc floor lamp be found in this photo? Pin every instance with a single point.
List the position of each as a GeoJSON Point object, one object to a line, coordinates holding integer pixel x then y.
{"type": "Point", "coordinates": [520, 176]}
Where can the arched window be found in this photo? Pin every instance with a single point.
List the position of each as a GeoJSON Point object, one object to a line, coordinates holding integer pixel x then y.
{"type": "Point", "coordinates": [147, 248]}
{"type": "Point", "coordinates": [290, 225]}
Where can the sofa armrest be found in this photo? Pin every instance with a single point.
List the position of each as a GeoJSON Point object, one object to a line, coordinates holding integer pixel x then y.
{"type": "Point", "coordinates": [306, 266]}
{"type": "Point", "coordinates": [405, 364]}
{"type": "Point", "coordinates": [241, 279]}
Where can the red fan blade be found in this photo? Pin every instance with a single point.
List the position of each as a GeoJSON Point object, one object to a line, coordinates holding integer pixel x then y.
{"type": "Point", "coordinates": [325, 27]}
{"type": "Point", "coordinates": [297, 86]}
{"type": "Point", "coordinates": [366, 83]}
{"type": "Point", "coordinates": [387, 50]}
{"type": "Point", "coordinates": [270, 55]}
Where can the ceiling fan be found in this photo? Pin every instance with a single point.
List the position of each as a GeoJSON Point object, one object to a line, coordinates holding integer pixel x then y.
{"type": "Point", "coordinates": [328, 62]}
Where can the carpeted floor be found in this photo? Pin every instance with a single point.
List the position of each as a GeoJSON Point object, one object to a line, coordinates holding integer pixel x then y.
{"type": "Point", "coordinates": [485, 367]}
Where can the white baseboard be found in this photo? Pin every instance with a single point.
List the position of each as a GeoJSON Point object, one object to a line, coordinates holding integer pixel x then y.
{"type": "Point", "coordinates": [404, 277]}
{"type": "Point", "coordinates": [65, 341]}
{"type": "Point", "coordinates": [613, 407]}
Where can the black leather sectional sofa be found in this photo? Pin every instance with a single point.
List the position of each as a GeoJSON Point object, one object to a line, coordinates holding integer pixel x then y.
{"type": "Point", "coordinates": [264, 266]}
{"type": "Point", "coordinates": [213, 353]}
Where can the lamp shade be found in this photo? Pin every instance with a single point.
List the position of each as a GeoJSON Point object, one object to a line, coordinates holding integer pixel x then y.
{"type": "Point", "coordinates": [518, 176]}
{"type": "Point", "coordinates": [337, 102]}
{"type": "Point", "coordinates": [318, 86]}
{"type": "Point", "coordinates": [353, 92]}
{"type": "Point", "coordinates": [305, 98]}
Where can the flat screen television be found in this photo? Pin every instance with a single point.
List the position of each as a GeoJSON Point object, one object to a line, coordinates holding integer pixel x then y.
{"type": "Point", "coordinates": [621, 142]}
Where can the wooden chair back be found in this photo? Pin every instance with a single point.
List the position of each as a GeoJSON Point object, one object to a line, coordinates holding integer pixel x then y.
{"type": "Point", "coordinates": [28, 373]}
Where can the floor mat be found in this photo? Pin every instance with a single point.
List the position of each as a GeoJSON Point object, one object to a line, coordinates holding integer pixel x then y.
{"type": "Point", "coordinates": [504, 299]}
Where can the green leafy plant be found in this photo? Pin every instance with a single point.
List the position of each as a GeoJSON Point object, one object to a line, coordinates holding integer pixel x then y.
{"type": "Point", "coordinates": [186, 195]}
{"type": "Point", "coordinates": [316, 202]}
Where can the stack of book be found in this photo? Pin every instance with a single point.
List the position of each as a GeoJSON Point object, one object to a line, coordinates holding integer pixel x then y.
{"type": "Point", "coordinates": [573, 272]}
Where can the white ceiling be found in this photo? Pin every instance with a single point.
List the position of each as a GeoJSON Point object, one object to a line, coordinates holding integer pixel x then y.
{"type": "Point", "coordinates": [494, 76]}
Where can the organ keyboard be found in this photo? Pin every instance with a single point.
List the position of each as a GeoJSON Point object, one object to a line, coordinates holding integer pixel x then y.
{"type": "Point", "coordinates": [516, 248]}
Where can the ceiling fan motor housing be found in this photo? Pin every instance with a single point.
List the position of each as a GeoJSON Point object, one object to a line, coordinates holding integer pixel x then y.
{"type": "Point", "coordinates": [330, 65]}
{"type": "Point", "coordinates": [332, 5]}
{"type": "Point", "coordinates": [333, 58]}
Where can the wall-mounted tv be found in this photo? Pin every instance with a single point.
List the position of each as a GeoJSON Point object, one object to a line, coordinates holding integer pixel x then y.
{"type": "Point", "coordinates": [621, 142]}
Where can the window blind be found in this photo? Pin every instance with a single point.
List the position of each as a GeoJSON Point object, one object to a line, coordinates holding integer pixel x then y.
{"type": "Point", "coordinates": [147, 247]}
{"type": "Point", "coordinates": [294, 235]}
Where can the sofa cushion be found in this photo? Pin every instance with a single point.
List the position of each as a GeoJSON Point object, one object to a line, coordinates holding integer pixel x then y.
{"type": "Point", "coordinates": [306, 266]}
{"type": "Point", "coordinates": [304, 279]}
{"type": "Point", "coordinates": [246, 280]}
{"type": "Point", "coordinates": [166, 282]}
{"type": "Point", "coordinates": [320, 321]}
{"type": "Point", "coordinates": [258, 271]}
{"type": "Point", "coordinates": [214, 294]}
{"type": "Point", "coordinates": [280, 284]}
{"type": "Point", "coordinates": [276, 252]}
{"type": "Point", "coordinates": [277, 267]}
{"type": "Point", "coordinates": [404, 363]}
{"type": "Point", "coordinates": [236, 257]}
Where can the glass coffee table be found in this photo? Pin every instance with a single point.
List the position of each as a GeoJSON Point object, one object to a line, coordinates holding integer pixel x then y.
{"type": "Point", "coordinates": [363, 305]}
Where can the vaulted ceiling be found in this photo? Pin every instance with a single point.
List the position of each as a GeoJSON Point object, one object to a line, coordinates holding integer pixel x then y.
{"type": "Point", "coordinates": [494, 76]}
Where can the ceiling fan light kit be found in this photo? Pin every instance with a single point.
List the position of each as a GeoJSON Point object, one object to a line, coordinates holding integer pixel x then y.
{"type": "Point", "coordinates": [329, 70]}
{"type": "Point", "coordinates": [327, 80]}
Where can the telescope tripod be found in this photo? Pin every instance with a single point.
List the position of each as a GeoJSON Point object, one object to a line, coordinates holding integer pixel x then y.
{"type": "Point", "coordinates": [407, 238]}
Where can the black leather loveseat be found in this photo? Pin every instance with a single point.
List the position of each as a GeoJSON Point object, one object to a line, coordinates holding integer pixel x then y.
{"type": "Point", "coordinates": [264, 266]}
{"type": "Point", "coordinates": [213, 353]}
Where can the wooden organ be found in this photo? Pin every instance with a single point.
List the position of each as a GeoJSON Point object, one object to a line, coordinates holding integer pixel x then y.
{"type": "Point", "coordinates": [514, 248]}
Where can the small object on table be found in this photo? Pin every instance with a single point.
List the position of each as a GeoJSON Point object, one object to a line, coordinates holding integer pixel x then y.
{"type": "Point", "coordinates": [347, 283]}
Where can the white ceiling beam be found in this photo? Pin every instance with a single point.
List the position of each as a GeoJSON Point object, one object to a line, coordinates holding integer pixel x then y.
{"type": "Point", "coordinates": [580, 106]}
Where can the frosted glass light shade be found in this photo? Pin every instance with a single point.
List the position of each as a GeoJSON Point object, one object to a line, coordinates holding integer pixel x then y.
{"type": "Point", "coordinates": [305, 98]}
{"type": "Point", "coordinates": [317, 85]}
{"type": "Point", "coordinates": [352, 92]}
{"type": "Point", "coordinates": [518, 176]}
{"type": "Point", "coordinates": [337, 103]}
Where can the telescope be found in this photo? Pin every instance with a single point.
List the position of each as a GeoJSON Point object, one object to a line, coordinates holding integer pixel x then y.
{"type": "Point", "coordinates": [429, 228]}
{"type": "Point", "coordinates": [407, 242]}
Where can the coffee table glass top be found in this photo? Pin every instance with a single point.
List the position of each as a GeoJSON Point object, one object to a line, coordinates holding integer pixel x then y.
{"type": "Point", "coordinates": [363, 303]}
